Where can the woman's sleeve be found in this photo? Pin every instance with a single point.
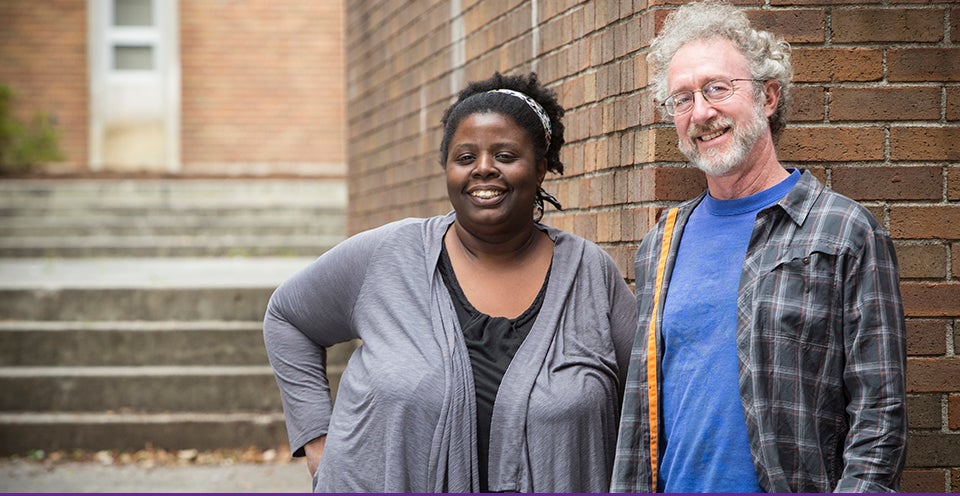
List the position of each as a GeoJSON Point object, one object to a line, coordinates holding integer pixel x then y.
{"type": "Point", "coordinates": [307, 313]}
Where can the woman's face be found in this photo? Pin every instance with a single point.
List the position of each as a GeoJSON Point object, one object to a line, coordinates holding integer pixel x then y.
{"type": "Point", "coordinates": [492, 174]}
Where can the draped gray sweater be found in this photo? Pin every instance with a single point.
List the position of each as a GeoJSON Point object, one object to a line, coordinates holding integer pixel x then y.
{"type": "Point", "coordinates": [405, 415]}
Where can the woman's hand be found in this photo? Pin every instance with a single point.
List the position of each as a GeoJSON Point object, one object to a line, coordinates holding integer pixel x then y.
{"type": "Point", "coordinates": [314, 451]}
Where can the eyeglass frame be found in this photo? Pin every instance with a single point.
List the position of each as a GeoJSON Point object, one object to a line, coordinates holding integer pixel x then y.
{"type": "Point", "coordinates": [667, 109]}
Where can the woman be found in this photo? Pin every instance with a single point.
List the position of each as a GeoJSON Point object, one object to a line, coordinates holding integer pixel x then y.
{"type": "Point", "coordinates": [494, 347]}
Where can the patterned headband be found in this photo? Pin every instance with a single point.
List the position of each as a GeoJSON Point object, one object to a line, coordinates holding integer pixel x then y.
{"type": "Point", "coordinates": [544, 118]}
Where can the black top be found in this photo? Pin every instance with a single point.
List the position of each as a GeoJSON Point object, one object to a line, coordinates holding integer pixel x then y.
{"type": "Point", "coordinates": [491, 343]}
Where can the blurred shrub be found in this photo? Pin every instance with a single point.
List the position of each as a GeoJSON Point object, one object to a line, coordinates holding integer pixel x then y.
{"type": "Point", "coordinates": [24, 145]}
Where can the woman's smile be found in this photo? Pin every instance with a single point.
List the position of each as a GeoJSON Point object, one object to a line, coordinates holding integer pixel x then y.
{"type": "Point", "coordinates": [492, 174]}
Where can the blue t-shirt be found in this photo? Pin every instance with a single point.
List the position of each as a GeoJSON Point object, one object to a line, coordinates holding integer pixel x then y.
{"type": "Point", "coordinates": [707, 449]}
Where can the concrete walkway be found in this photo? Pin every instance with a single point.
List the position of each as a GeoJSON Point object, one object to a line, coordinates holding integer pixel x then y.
{"type": "Point", "coordinates": [76, 477]}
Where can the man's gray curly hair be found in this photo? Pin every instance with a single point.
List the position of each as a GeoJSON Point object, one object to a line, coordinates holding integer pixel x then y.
{"type": "Point", "coordinates": [768, 55]}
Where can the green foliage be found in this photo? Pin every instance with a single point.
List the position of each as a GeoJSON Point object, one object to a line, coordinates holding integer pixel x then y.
{"type": "Point", "coordinates": [24, 145]}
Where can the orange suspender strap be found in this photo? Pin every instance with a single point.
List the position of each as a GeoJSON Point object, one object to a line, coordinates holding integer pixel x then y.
{"type": "Point", "coordinates": [653, 403]}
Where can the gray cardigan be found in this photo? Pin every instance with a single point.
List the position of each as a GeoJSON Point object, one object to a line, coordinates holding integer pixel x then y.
{"type": "Point", "coordinates": [405, 415]}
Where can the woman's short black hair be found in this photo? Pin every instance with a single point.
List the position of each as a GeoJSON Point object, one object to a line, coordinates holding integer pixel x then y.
{"type": "Point", "coordinates": [477, 98]}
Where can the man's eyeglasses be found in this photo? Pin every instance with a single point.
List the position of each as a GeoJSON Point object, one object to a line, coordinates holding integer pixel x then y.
{"type": "Point", "coordinates": [715, 91]}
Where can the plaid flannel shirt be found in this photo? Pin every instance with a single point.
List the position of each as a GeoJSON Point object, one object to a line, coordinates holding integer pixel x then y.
{"type": "Point", "coordinates": [821, 349]}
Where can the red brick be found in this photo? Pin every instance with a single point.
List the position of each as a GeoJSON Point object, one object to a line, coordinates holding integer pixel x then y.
{"type": "Point", "coordinates": [623, 256]}
{"type": "Point", "coordinates": [678, 184]}
{"type": "Point", "coordinates": [925, 261]}
{"type": "Point", "coordinates": [955, 37]}
{"type": "Point", "coordinates": [821, 174]}
{"type": "Point", "coordinates": [807, 104]}
{"type": "Point", "coordinates": [923, 222]}
{"type": "Point", "coordinates": [794, 25]}
{"type": "Point", "coordinates": [925, 143]}
{"type": "Point", "coordinates": [889, 183]}
{"type": "Point", "coordinates": [933, 449]}
{"type": "Point", "coordinates": [955, 257]}
{"type": "Point", "coordinates": [953, 102]}
{"type": "Point", "coordinates": [585, 225]}
{"type": "Point", "coordinates": [875, 25]}
{"type": "Point", "coordinates": [884, 104]}
{"type": "Point", "coordinates": [923, 64]}
{"type": "Point", "coordinates": [926, 337]}
{"type": "Point", "coordinates": [933, 375]}
{"type": "Point", "coordinates": [924, 411]}
{"type": "Point", "coordinates": [931, 299]}
{"type": "Point", "coordinates": [953, 183]}
{"type": "Point", "coordinates": [634, 222]}
{"type": "Point", "coordinates": [621, 186]}
{"type": "Point", "coordinates": [831, 144]}
{"type": "Point", "coordinates": [837, 64]}
{"type": "Point", "coordinates": [878, 212]}
{"type": "Point", "coordinates": [608, 227]}
{"type": "Point", "coordinates": [954, 412]}
{"type": "Point", "coordinates": [658, 145]}
{"type": "Point", "coordinates": [920, 480]}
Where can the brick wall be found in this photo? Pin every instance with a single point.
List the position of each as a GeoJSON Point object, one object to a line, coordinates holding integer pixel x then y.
{"type": "Point", "coordinates": [43, 58]}
{"type": "Point", "coordinates": [876, 116]}
{"type": "Point", "coordinates": [262, 86]}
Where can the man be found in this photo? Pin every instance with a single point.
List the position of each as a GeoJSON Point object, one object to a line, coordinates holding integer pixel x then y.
{"type": "Point", "coordinates": [770, 353]}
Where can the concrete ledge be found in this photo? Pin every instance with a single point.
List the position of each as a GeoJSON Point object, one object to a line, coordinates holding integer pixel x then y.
{"type": "Point", "coordinates": [66, 344]}
{"type": "Point", "coordinates": [131, 303]}
{"type": "Point", "coordinates": [139, 389]}
{"type": "Point", "coordinates": [148, 273]}
{"type": "Point", "coordinates": [23, 432]}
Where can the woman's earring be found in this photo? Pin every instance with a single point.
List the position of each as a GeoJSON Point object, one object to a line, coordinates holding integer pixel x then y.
{"type": "Point", "coordinates": [537, 208]}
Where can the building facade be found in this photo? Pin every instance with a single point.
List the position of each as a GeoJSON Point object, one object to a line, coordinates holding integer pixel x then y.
{"type": "Point", "coordinates": [270, 87]}
{"type": "Point", "coordinates": [182, 87]}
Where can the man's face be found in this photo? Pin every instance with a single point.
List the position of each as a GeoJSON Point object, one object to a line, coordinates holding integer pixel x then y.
{"type": "Point", "coordinates": [716, 137]}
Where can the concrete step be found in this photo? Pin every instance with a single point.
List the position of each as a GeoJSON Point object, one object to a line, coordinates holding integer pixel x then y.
{"type": "Point", "coordinates": [92, 304]}
{"type": "Point", "coordinates": [127, 209]}
{"type": "Point", "coordinates": [170, 217]}
{"type": "Point", "coordinates": [167, 246]}
{"type": "Point", "coordinates": [150, 272]}
{"type": "Point", "coordinates": [131, 343]}
{"type": "Point", "coordinates": [73, 224]}
{"type": "Point", "coordinates": [152, 289]}
{"type": "Point", "coordinates": [53, 431]}
{"type": "Point", "coordinates": [131, 310]}
{"type": "Point", "coordinates": [172, 192]}
{"type": "Point", "coordinates": [139, 389]}
{"type": "Point", "coordinates": [126, 343]}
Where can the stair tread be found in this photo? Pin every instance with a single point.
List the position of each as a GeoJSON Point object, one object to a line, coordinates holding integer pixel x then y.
{"type": "Point", "coordinates": [130, 325]}
{"type": "Point", "coordinates": [135, 371]}
{"type": "Point", "coordinates": [171, 240]}
{"type": "Point", "coordinates": [135, 417]}
{"type": "Point", "coordinates": [129, 272]}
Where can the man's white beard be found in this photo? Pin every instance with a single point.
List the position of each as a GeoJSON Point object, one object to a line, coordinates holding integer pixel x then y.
{"type": "Point", "coordinates": [717, 162]}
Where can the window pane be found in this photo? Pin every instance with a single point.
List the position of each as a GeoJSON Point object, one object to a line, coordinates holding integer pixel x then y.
{"type": "Point", "coordinates": [133, 12]}
{"type": "Point", "coordinates": [137, 58]}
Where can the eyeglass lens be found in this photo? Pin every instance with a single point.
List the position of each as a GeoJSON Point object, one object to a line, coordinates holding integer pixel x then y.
{"type": "Point", "coordinates": [714, 92]}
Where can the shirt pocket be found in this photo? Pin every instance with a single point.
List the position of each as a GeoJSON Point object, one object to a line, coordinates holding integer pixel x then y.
{"type": "Point", "coordinates": [796, 299]}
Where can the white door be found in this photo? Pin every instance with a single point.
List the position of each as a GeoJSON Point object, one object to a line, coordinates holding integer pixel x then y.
{"type": "Point", "coordinates": [134, 85]}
